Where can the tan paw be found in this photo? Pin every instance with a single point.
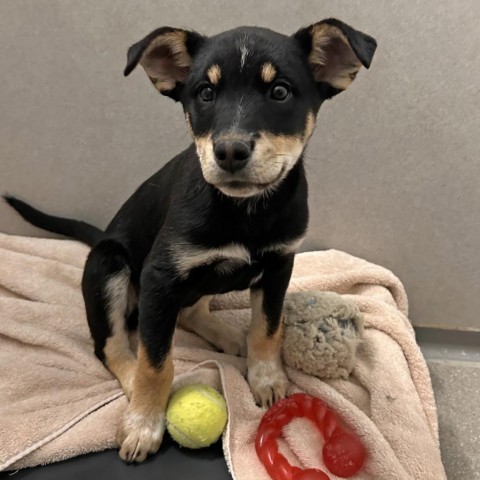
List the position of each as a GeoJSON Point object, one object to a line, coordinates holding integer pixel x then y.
{"type": "Point", "coordinates": [139, 436]}
{"type": "Point", "coordinates": [268, 382]}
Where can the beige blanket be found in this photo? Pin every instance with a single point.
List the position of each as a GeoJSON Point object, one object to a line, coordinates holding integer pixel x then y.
{"type": "Point", "coordinates": [58, 401]}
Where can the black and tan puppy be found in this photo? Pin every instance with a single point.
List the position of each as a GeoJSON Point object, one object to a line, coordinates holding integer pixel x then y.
{"type": "Point", "coordinates": [226, 214]}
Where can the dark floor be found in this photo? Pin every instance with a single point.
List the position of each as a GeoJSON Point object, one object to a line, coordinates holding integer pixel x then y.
{"type": "Point", "coordinates": [454, 362]}
{"type": "Point", "coordinates": [171, 463]}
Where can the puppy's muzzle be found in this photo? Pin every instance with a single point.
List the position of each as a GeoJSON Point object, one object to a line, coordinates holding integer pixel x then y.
{"type": "Point", "coordinates": [233, 154]}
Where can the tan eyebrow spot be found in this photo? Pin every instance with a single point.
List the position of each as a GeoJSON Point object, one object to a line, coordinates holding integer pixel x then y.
{"type": "Point", "coordinates": [268, 72]}
{"type": "Point", "coordinates": [214, 74]}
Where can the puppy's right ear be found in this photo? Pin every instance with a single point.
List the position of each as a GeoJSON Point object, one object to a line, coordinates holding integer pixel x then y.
{"type": "Point", "coordinates": [166, 55]}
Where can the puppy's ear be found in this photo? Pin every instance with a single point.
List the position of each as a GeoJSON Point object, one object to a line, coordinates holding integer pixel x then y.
{"type": "Point", "coordinates": [335, 53]}
{"type": "Point", "coordinates": [166, 55]}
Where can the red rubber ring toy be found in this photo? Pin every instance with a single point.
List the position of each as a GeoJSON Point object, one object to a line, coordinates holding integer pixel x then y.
{"type": "Point", "coordinates": [343, 453]}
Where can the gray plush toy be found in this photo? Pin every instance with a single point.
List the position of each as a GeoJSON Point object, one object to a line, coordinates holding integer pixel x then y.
{"type": "Point", "coordinates": [322, 333]}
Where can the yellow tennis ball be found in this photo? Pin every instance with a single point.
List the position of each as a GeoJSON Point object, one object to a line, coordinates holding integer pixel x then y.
{"type": "Point", "coordinates": [196, 416]}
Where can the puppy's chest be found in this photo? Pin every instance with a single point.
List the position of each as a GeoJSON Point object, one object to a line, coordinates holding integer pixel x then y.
{"type": "Point", "coordinates": [228, 260]}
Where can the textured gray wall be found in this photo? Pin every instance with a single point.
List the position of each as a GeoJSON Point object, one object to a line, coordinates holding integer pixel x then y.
{"type": "Point", "coordinates": [393, 166]}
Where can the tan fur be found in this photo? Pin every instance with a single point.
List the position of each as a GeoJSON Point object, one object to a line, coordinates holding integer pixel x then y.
{"type": "Point", "coordinates": [214, 74]}
{"type": "Point", "coordinates": [141, 432]}
{"type": "Point", "coordinates": [205, 153]}
{"type": "Point", "coordinates": [152, 384]}
{"type": "Point", "coordinates": [268, 72]}
{"type": "Point", "coordinates": [272, 159]}
{"type": "Point", "coordinates": [200, 320]}
{"type": "Point", "coordinates": [320, 40]}
{"type": "Point", "coordinates": [119, 358]}
{"type": "Point", "coordinates": [166, 60]}
{"type": "Point", "coordinates": [266, 376]}
{"type": "Point", "coordinates": [284, 247]}
{"type": "Point", "coordinates": [274, 156]}
{"type": "Point", "coordinates": [328, 66]}
{"type": "Point", "coordinates": [260, 345]}
{"type": "Point", "coordinates": [189, 123]}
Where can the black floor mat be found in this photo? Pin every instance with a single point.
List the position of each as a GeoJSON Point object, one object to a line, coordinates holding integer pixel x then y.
{"type": "Point", "coordinates": [170, 463]}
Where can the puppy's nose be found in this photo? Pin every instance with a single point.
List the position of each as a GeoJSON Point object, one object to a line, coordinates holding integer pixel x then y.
{"type": "Point", "coordinates": [232, 155]}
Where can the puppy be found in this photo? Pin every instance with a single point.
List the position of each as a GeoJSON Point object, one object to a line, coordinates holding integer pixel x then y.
{"type": "Point", "coordinates": [228, 213]}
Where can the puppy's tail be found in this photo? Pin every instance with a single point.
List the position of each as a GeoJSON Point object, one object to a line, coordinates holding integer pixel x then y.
{"type": "Point", "coordinates": [64, 226]}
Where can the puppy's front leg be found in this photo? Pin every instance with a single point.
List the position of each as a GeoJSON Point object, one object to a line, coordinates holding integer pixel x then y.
{"type": "Point", "coordinates": [266, 376]}
{"type": "Point", "coordinates": [141, 431]}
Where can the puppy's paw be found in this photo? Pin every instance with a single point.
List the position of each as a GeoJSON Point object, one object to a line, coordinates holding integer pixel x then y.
{"type": "Point", "coordinates": [268, 382]}
{"type": "Point", "coordinates": [139, 436]}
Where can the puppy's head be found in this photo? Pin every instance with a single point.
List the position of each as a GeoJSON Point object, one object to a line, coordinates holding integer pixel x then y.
{"type": "Point", "coordinates": [250, 95]}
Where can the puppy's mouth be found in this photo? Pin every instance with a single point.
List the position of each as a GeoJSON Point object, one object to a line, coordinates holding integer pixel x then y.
{"type": "Point", "coordinates": [239, 184]}
{"type": "Point", "coordinates": [271, 160]}
{"type": "Point", "coordinates": [244, 188]}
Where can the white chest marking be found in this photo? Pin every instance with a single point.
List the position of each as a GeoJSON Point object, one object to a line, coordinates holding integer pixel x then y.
{"type": "Point", "coordinates": [190, 257]}
{"type": "Point", "coordinates": [243, 55]}
{"type": "Point", "coordinates": [284, 247]}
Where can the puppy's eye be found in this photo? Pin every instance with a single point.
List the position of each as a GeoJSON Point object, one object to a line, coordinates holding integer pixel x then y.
{"type": "Point", "coordinates": [206, 93]}
{"type": "Point", "coordinates": [280, 92]}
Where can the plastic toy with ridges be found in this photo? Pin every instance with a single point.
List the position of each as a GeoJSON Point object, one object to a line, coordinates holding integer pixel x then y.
{"type": "Point", "coordinates": [343, 454]}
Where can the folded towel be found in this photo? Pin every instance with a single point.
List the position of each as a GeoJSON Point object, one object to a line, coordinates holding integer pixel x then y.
{"type": "Point", "coordinates": [58, 401]}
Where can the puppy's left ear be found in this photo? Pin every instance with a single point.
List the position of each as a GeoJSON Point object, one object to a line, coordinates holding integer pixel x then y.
{"type": "Point", "coordinates": [166, 55]}
{"type": "Point", "coordinates": [335, 52]}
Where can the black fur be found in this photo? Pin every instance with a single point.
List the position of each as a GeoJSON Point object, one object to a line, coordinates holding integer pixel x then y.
{"type": "Point", "coordinates": [261, 112]}
{"type": "Point", "coordinates": [64, 226]}
{"type": "Point", "coordinates": [106, 259]}
{"type": "Point", "coordinates": [363, 45]}
{"type": "Point", "coordinates": [180, 210]}
{"type": "Point", "coordinates": [192, 211]}
{"type": "Point", "coordinates": [177, 205]}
